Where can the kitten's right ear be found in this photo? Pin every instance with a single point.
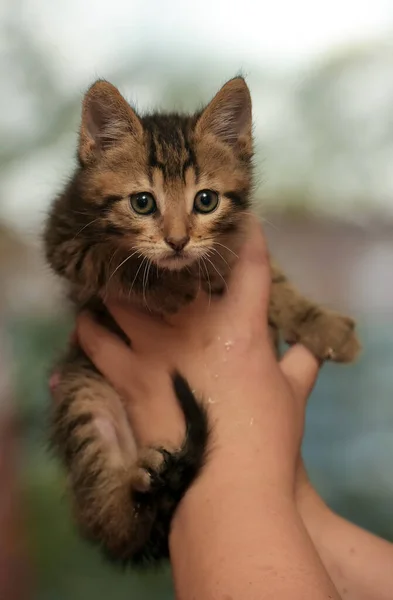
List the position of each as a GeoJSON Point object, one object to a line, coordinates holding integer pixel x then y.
{"type": "Point", "coordinates": [106, 118]}
{"type": "Point", "coordinates": [228, 116]}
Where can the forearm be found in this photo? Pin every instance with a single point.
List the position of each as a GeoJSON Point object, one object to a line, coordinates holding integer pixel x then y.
{"type": "Point", "coordinates": [235, 537]}
{"type": "Point", "coordinates": [359, 563]}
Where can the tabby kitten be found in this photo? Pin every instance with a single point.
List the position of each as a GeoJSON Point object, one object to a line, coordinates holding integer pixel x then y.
{"type": "Point", "coordinates": [157, 207]}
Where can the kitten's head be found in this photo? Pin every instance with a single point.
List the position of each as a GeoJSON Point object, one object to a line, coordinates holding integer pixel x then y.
{"type": "Point", "coordinates": [169, 188]}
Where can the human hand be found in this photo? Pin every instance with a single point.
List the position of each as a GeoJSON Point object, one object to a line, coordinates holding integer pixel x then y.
{"type": "Point", "coordinates": [223, 348]}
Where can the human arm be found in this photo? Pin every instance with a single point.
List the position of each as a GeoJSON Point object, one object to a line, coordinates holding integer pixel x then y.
{"type": "Point", "coordinates": [359, 563]}
{"type": "Point", "coordinates": [237, 532]}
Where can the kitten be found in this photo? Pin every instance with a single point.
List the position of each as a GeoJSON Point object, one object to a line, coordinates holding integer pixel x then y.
{"type": "Point", "coordinates": [156, 208]}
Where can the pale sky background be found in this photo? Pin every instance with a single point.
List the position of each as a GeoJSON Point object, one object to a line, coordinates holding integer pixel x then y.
{"type": "Point", "coordinates": [90, 33]}
{"type": "Point", "coordinates": [88, 37]}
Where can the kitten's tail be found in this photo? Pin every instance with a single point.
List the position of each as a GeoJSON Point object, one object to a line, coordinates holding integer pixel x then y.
{"type": "Point", "coordinates": [177, 473]}
{"type": "Point", "coordinates": [191, 457]}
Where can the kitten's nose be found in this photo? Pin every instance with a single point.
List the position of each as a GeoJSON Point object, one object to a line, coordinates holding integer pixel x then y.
{"type": "Point", "coordinates": [177, 244]}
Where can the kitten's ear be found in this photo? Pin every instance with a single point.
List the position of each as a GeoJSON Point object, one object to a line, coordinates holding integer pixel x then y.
{"type": "Point", "coordinates": [106, 118]}
{"type": "Point", "coordinates": [228, 116]}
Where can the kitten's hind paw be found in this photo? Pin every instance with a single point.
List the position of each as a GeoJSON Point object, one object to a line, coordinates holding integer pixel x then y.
{"type": "Point", "coordinates": [328, 335]}
{"type": "Point", "coordinates": [141, 478]}
{"type": "Point", "coordinates": [146, 476]}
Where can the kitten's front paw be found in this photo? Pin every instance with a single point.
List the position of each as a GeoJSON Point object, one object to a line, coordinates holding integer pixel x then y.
{"type": "Point", "coordinates": [329, 336]}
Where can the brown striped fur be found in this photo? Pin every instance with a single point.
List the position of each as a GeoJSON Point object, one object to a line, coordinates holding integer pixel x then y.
{"type": "Point", "coordinates": [124, 496]}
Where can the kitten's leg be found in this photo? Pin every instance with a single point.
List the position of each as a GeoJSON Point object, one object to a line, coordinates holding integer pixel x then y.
{"type": "Point", "coordinates": [123, 497]}
{"type": "Point", "coordinates": [329, 335]}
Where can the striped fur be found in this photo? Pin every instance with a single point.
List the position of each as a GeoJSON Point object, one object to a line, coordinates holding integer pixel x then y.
{"type": "Point", "coordinates": [124, 496]}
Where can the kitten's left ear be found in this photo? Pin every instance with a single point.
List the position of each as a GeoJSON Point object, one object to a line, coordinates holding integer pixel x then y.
{"type": "Point", "coordinates": [229, 116]}
{"type": "Point", "coordinates": [106, 119]}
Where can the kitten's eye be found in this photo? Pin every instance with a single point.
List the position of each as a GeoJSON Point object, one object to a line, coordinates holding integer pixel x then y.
{"type": "Point", "coordinates": [206, 201]}
{"type": "Point", "coordinates": [143, 203]}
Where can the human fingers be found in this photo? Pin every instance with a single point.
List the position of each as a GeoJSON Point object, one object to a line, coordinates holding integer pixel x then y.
{"type": "Point", "coordinates": [249, 286]}
{"type": "Point", "coordinates": [144, 386]}
{"type": "Point", "coordinates": [112, 357]}
{"type": "Point", "coordinates": [300, 369]}
{"type": "Point", "coordinates": [144, 327]}
{"type": "Point", "coordinates": [244, 306]}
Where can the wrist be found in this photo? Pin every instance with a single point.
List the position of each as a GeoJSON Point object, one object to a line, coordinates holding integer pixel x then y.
{"type": "Point", "coordinates": [230, 486]}
{"type": "Point", "coordinates": [248, 417]}
{"type": "Point", "coordinates": [237, 475]}
{"type": "Point", "coordinates": [248, 471]}
{"type": "Point", "coordinates": [226, 525]}
{"type": "Point", "coordinates": [314, 512]}
{"type": "Point", "coordinates": [251, 445]}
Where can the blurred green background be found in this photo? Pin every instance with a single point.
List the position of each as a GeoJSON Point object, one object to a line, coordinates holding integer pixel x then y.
{"type": "Point", "coordinates": [322, 85]}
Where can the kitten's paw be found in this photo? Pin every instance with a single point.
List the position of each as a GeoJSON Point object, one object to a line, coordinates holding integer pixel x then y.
{"type": "Point", "coordinates": [146, 476]}
{"type": "Point", "coordinates": [141, 480]}
{"type": "Point", "coordinates": [329, 336]}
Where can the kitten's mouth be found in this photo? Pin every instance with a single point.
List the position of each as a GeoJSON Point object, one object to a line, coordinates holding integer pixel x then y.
{"type": "Point", "coordinates": [176, 261]}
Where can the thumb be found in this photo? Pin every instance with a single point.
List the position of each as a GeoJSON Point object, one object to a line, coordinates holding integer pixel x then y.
{"type": "Point", "coordinates": [250, 281]}
{"type": "Point", "coordinates": [300, 369]}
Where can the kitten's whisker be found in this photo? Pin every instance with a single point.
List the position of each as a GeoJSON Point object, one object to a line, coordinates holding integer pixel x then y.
{"type": "Point", "coordinates": [199, 274]}
{"type": "Point", "coordinates": [121, 264]}
{"type": "Point", "coordinates": [130, 290]}
{"type": "Point", "coordinates": [84, 227]}
{"type": "Point", "coordinates": [226, 248]}
{"type": "Point", "coordinates": [113, 256]}
{"type": "Point", "coordinates": [217, 271]}
{"type": "Point", "coordinates": [208, 279]}
{"type": "Point", "coordinates": [136, 274]}
{"type": "Point", "coordinates": [145, 280]}
{"type": "Point", "coordinates": [220, 255]}
{"type": "Point", "coordinates": [261, 218]}
{"type": "Point", "coordinates": [270, 224]}
{"type": "Point", "coordinates": [110, 262]}
{"type": "Point", "coordinates": [79, 212]}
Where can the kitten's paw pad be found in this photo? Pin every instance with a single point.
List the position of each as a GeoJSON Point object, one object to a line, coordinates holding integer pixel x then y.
{"type": "Point", "coordinates": [330, 336]}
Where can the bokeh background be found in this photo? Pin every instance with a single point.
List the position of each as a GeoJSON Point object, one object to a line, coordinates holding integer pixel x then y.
{"type": "Point", "coordinates": [321, 77]}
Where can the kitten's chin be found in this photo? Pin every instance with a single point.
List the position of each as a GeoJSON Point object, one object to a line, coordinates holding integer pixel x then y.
{"type": "Point", "coordinates": [175, 263]}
